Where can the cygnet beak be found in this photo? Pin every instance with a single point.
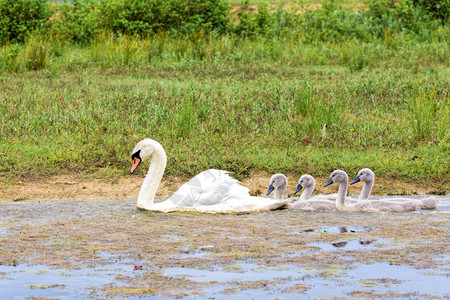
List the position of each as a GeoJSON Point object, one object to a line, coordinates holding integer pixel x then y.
{"type": "Point", "coordinates": [330, 181]}
{"type": "Point", "coordinates": [271, 188]}
{"type": "Point", "coordinates": [299, 187]}
{"type": "Point", "coordinates": [355, 180]}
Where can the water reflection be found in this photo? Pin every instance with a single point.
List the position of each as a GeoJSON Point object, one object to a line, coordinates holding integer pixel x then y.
{"type": "Point", "coordinates": [361, 244]}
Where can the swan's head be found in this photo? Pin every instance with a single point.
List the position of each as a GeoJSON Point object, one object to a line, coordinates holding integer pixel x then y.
{"type": "Point", "coordinates": [364, 175]}
{"type": "Point", "coordinates": [277, 181]}
{"type": "Point", "coordinates": [337, 176]}
{"type": "Point", "coordinates": [144, 150]}
{"type": "Point", "coordinates": [304, 181]}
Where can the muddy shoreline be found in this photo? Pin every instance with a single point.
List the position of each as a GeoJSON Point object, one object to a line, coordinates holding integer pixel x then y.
{"type": "Point", "coordinates": [82, 187]}
{"type": "Point", "coordinates": [114, 250]}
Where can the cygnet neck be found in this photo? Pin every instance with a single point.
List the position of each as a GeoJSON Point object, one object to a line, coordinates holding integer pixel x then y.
{"type": "Point", "coordinates": [367, 189]}
{"type": "Point", "coordinates": [340, 200]}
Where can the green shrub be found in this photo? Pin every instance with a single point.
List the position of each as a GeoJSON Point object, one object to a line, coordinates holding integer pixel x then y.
{"type": "Point", "coordinates": [196, 15]}
{"type": "Point", "coordinates": [18, 18]}
{"type": "Point", "coordinates": [77, 21]}
{"type": "Point", "coordinates": [150, 16]}
{"type": "Point", "coordinates": [252, 23]}
{"type": "Point", "coordinates": [406, 16]}
{"type": "Point", "coordinates": [439, 9]}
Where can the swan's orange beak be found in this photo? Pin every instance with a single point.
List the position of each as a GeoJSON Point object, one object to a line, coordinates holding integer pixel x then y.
{"type": "Point", "coordinates": [136, 162]}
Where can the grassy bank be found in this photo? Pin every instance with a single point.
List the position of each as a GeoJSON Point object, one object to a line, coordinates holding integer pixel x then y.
{"type": "Point", "coordinates": [324, 94]}
{"type": "Point", "coordinates": [236, 104]}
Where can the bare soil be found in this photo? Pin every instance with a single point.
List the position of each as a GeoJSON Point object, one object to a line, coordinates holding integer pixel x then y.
{"type": "Point", "coordinates": [77, 187]}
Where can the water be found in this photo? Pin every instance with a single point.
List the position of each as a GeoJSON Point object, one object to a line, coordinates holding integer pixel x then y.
{"type": "Point", "coordinates": [443, 204]}
{"type": "Point", "coordinates": [335, 229]}
{"type": "Point", "coordinates": [383, 277]}
{"type": "Point", "coordinates": [226, 282]}
{"type": "Point", "coordinates": [42, 281]}
{"type": "Point", "coordinates": [360, 245]}
{"type": "Point", "coordinates": [203, 251]}
{"type": "Point", "coordinates": [235, 280]}
{"type": "Point", "coordinates": [343, 229]}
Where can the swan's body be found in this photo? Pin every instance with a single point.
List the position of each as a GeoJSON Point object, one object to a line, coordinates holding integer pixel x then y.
{"type": "Point", "coordinates": [210, 191]}
{"type": "Point", "coordinates": [341, 177]}
{"type": "Point", "coordinates": [368, 177]}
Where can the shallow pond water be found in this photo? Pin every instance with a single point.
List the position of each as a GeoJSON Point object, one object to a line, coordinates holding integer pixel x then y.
{"type": "Point", "coordinates": [109, 249]}
{"type": "Point", "coordinates": [42, 281]}
{"type": "Point", "coordinates": [383, 277]}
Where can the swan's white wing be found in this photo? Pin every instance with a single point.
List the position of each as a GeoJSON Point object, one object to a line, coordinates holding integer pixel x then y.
{"type": "Point", "coordinates": [216, 191]}
{"type": "Point", "coordinates": [209, 187]}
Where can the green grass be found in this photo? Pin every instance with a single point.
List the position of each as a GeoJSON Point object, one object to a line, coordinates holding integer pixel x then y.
{"type": "Point", "coordinates": [279, 105]}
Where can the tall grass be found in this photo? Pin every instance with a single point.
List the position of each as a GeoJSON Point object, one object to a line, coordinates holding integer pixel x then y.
{"type": "Point", "coordinates": [85, 121]}
{"type": "Point", "coordinates": [35, 53]}
{"type": "Point", "coordinates": [429, 113]}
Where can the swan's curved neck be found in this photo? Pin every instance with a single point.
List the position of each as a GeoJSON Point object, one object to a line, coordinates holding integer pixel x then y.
{"type": "Point", "coordinates": [340, 200]}
{"type": "Point", "coordinates": [306, 194]}
{"type": "Point", "coordinates": [154, 175]}
{"type": "Point", "coordinates": [367, 189]}
{"type": "Point", "coordinates": [278, 195]}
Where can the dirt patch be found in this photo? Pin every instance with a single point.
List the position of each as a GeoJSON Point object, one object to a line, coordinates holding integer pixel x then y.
{"type": "Point", "coordinates": [75, 187]}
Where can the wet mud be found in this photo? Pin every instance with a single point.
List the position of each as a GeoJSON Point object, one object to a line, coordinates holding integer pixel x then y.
{"type": "Point", "coordinates": [109, 249]}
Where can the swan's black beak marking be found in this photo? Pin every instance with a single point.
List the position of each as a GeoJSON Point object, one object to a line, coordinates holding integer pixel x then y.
{"type": "Point", "coordinates": [270, 190]}
{"type": "Point", "coordinates": [299, 187]}
{"type": "Point", "coordinates": [355, 180]}
{"type": "Point", "coordinates": [330, 181]}
{"type": "Point", "coordinates": [136, 157]}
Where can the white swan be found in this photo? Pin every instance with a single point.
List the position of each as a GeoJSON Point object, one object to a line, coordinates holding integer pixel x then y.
{"type": "Point", "coordinates": [368, 177]}
{"type": "Point", "coordinates": [369, 206]}
{"type": "Point", "coordinates": [210, 191]}
{"type": "Point", "coordinates": [280, 183]}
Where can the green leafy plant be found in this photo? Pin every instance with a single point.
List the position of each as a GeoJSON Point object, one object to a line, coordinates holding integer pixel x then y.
{"type": "Point", "coordinates": [18, 18]}
{"type": "Point", "coordinates": [76, 21]}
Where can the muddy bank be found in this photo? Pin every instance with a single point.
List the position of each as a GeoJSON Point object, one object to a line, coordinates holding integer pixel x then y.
{"type": "Point", "coordinates": [73, 187]}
